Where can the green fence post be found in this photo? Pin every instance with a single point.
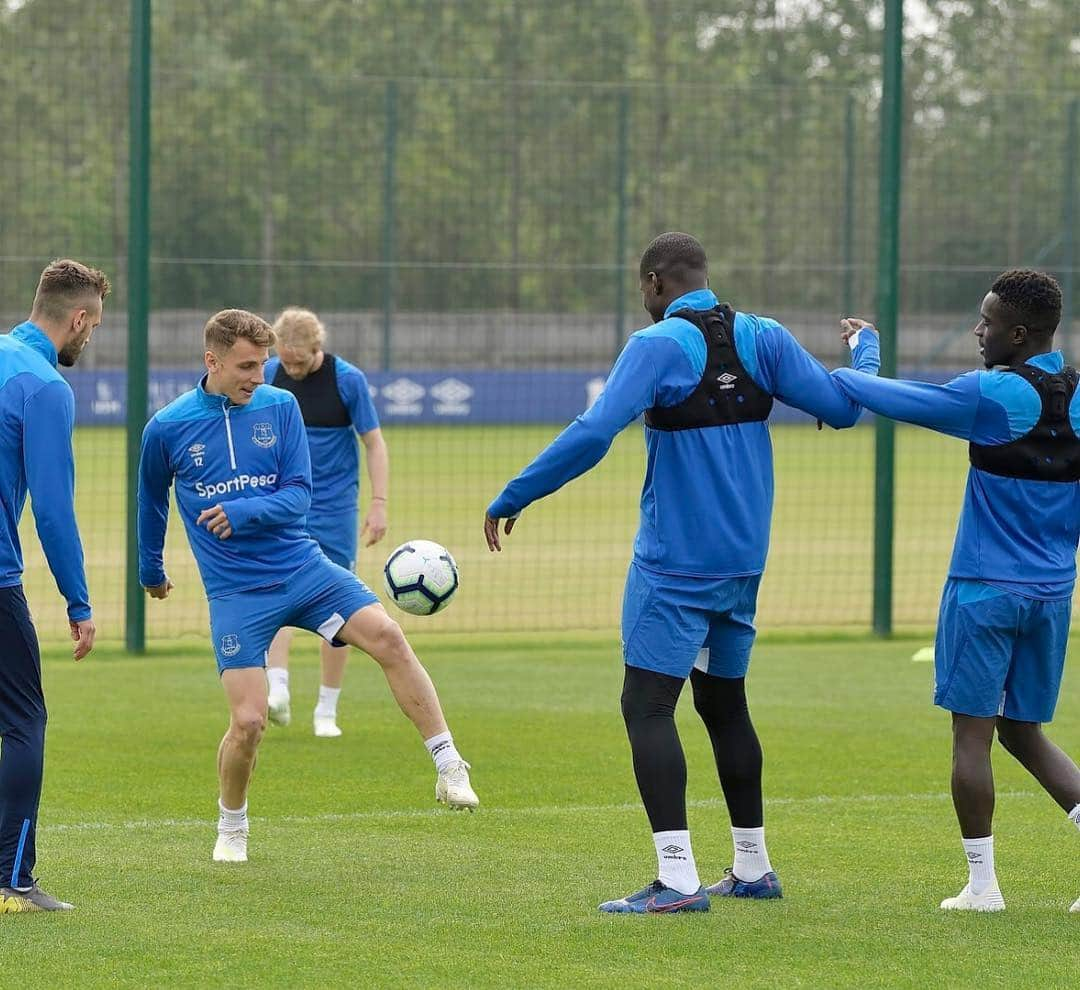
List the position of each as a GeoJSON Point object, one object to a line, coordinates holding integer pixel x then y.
{"type": "Point", "coordinates": [847, 294]}
{"type": "Point", "coordinates": [622, 157]}
{"type": "Point", "coordinates": [138, 306]}
{"type": "Point", "coordinates": [888, 278]}
{"type": "Point", "coordinates": [1068, 252]}
{"type": "Point", "coordinates": [389, 271]}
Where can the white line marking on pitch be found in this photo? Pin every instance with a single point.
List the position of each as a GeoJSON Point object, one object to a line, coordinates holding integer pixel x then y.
{"type": "Point", "coordinates": [569, 809]}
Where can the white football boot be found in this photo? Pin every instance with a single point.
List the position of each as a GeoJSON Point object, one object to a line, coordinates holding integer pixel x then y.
{"type": "Point", "coordinates": [231, 846]}
{"type": "Point", "coordinates": [453, 788]}
{"type": "Point", "coordinates": [326, 726]}
{"type": "Point", "coordinates": [988, 900]}
{"type": "Point", "coordinates": [1075, 909]}
{"type": "Point", "coordinates": [277, 708]}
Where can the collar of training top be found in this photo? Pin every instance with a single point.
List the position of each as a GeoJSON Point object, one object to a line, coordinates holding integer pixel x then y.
{"type": "Point", "coordinates": [701, 299]}
{"type": "Point", "coordinates": [31, 334]}
{"type": "Point", "coordinates": [209, 399]}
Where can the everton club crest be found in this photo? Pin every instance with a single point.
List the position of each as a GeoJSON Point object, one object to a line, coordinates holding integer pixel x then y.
{"type": "Point", "coordinates": [263, 435]}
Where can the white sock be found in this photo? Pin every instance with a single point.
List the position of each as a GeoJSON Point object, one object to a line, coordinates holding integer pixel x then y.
{"type": "Point", "coordinates": [1074, 816]}
{"type": "Point", "coordinates": [677, 868]}
{"type": "Point", "coordinates": [751, 857]}
{"type": "Point", "coordinates": [980, 857]}
{"type": "Point", "coordinates": [231, 819]}
{"type": "Point", "coordinates": [327, 706]}
{"type": "Point", "coordinates": [443, 751]}
{"type": "Point", "coordinates": [278, 679]}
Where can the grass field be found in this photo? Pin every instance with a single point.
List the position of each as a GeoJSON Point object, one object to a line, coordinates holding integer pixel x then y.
{"type": "Point", "coordinates": [565, 563]}
{"type": "Point", "coordinates": [356, 879]}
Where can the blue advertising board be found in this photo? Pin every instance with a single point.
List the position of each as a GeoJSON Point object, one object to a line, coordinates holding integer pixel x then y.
{"type": "Point", "coordinates": [475, 397]}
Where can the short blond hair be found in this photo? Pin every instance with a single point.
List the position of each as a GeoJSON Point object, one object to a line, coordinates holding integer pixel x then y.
{"type": "Point", "coordinates": [297, 327]}
{"type": "Point", "coordinates": [225, 328]}
{"type": "Point", "coordinates": [64, 284]}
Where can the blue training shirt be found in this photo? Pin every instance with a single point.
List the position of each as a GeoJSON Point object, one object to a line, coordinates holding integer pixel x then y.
{"type": "Point", "coordinates": [253, 460]}
{"type": "Point", "coordinates": [37, 414]}
{"type": "Point", "coordinates": [706, 503]}
{"type": "Point", "coordinates": [1014, 533]}
{"type": "Point", "coordinates": [335, 454]}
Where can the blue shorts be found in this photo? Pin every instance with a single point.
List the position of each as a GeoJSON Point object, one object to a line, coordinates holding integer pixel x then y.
{"type": "Point", "coordinates": [319, 597]}
{"type": "Point", "coordinates": [998, 653]}
{"type": "Point", "coordinates": [673, 624]}
{"type": "Point", "coordinates": [336, 535]}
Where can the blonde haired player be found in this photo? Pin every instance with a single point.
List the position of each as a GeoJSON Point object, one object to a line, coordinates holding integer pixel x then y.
{"type": "Point", "coordinates": [336, 405]}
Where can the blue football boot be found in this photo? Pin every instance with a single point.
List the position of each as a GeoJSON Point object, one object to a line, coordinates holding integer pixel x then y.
{"type": "Point", "coordinates": [764, 889]}
{"type": "Point", "coordinates": [658, 899]}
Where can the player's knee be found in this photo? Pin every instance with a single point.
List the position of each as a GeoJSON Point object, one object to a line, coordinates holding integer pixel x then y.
{"type": "Point", "coordinates": [390, 645]}
{"type": "Point", "coordinates": [1017, 738]}
{"type": "Point", "coordinates": [248, 724]}
{"type": "Point", "coordinates": [648, 695]}
{"type": "Point", "coordinates": [719, 700]}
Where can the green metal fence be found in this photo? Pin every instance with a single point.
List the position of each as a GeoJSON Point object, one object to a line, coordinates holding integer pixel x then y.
{"type": "Point", "coordinates": [469, 185]}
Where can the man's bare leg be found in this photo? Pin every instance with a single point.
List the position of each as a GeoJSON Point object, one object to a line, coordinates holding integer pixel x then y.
{"type": "Point", "coordinates": [370, 629]}
{"type": "Point", "coordinates": [245, 691]}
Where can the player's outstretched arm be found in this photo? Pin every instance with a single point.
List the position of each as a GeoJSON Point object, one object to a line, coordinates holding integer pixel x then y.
{"type": "Point", "coordinates": [951, 408]}
{"type": "Point", "coordinates": [155, 479]}
{"type": "Point", "coordinates": [630, 390]}
{"type": "Point", "coordinates": [798, 379]}
{"type": "Point", "coordinates": [50, 477]}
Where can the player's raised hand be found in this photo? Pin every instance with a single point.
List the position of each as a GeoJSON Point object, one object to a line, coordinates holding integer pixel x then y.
{"type": "Point", "coordinates": [83, 635]}
{"type": "Point", "coordinates": [491, 530]}
{"type": "Point", "coordinates": [851, 325]}
{"type": "Point", "coordinates": [215, 520]}
{"type": "Point", "coordinates": [162, 590]}
{"type": "Point", "coordinates": [374, 528]}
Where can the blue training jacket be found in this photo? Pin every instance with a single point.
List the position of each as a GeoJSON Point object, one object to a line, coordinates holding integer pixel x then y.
{"type": "Point", "coordinates": [706, 504]}
{"type": "Point", "coordinates": [37, 414]}
{"type": "Point", "coordinates": [251, 459]}
{"type": "Point", "coordinates": [1018, 534]}
{"type": "Point", "coordinates": [335, 456]}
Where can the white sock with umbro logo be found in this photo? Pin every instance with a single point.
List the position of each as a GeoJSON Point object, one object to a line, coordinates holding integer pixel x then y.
{"type": "Point", "coordinates": [677, 868]}
{"type": "Point", "coordinates": [751, 857]}
{"type": "Point", "coordinates": [980, 857]}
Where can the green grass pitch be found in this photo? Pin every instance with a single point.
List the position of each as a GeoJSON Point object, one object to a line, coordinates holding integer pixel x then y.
{"type": "Point", "coordinates": [356, 879]}
{"type": "Point", "coordinates": [564, 565]}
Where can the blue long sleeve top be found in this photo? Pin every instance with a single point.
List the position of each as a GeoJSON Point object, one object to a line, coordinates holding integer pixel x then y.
{"type": "Point", "coordinates": [37, 414]}
{"type": "Point", "coordinates": [1013, 533]}
{"type": "Point", "coordinates": [335, 455]}
{"type": "Point", "coordinates": [253, 460]}
{"type": "Point", "coordinates": [706, 502]}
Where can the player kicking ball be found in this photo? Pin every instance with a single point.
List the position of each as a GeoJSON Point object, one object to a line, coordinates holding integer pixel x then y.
{"type": "Point", "coordinates": [237, 453]}
{"type": "Point", "coordinates": [1004, 620]}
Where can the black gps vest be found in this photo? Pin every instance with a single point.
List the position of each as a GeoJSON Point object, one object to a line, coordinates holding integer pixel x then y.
{"type": "Point", "coordinates": [726, 393]}
{"type": "Point", "coordinates": [320, 401]}
{"type": "Point", "coordinates": [1051, 451]}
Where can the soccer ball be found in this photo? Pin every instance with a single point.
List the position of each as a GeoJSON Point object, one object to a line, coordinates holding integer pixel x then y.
{"type": "Point", "coordinates": [421, 577]}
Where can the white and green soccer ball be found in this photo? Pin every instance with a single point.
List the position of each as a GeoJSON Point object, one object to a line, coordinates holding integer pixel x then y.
{"type": "Point", "coordinates": [421, 577]}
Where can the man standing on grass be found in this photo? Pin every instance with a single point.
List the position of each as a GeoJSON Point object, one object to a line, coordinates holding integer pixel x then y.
{"type": "Point", "coordinates": [1004, 620]}
{"type": "Point", "coordinates": [37, 413]}
{"type": "Point", "coordinates": [705, 378]}
{"type": "Point", "coordinates": [238, 455]}
{"type": "Point", "coordinates": [336, 406]}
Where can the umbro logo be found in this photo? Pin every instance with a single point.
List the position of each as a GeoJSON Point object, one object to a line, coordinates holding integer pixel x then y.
{"type": "Point", "coordinates": [727, 380]}
{"type": "Point", "coordinates": [746, 844]}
